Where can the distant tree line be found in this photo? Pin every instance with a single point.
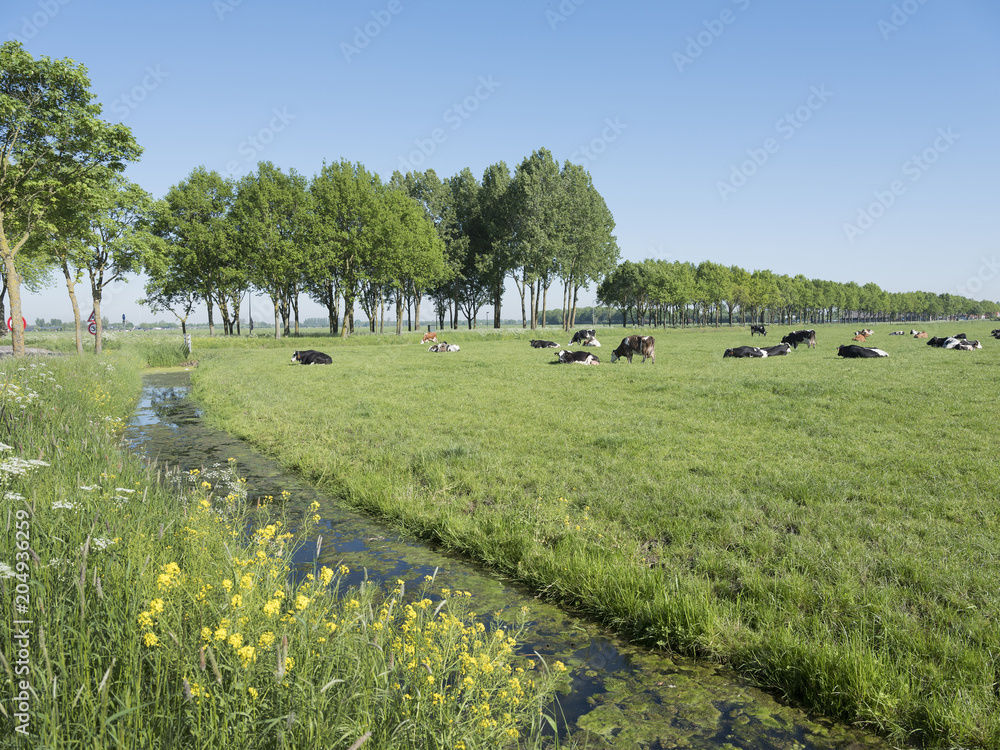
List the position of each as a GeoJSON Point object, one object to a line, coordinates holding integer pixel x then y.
{"type": "Point", "coordinates": [658, 292]}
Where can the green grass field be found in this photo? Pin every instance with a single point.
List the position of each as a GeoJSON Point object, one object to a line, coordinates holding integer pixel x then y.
{"type": "Point", "coordinates": [827, 526]}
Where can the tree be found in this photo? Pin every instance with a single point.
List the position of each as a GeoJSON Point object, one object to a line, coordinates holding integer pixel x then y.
{"type": "Point", "coordinates": [119, 239]}
{"type": "Point", "coordinates": [53, 147]}
{"type": "Point", "coordinates": [536, 197]}
{"type": "Point", "coordinates": [271, 218]}
{"type": "Point", "coordinates": [588, 250]}
{"type": "Point", "coordinates": [193, 218]}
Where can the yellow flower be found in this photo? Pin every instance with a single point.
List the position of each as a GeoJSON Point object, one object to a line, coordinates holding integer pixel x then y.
{"type": "Point", "coordinates": [246, 582]}
{"type": "Point", "coordinates": [247, 654]}
{"type": "Point", "coordinates": [150, 639]}
{"type": "Point", "coordinates": [325, 575]}
{"type": "Point", "coordinates": [253, 693]}
{"type": "Point", "coordinates": [272, 607]}
{"type": "Point", "coordinates": [220, 634]}
{"type": "Point", "coordinates": [206, 634]}
{"type": "Point", "coordinates": [236, 640]}
{"type": "Point", "coordinates": [266, 639]}
{"type": "Point", "coordinates": [301, 602]}
{"type": "Point", "coordinates": [344, 570]}
{"type": "Point", "coordinates": [227, 585]}
{"type": "Point", "coordinates": [289, 663]}
{"type": "Point", "coordinates": [237, 600]}
{"type": "Point", "coordinates": [145, 620]}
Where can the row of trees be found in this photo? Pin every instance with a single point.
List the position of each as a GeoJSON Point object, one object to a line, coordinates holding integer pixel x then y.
{"type": "Point", "coordinates": [658, 292]}
{"type": "Point", "coordinates": [346, 236]}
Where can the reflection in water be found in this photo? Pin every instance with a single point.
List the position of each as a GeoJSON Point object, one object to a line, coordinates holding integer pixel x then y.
{"type": "Point", "coordinates": [620, 696]}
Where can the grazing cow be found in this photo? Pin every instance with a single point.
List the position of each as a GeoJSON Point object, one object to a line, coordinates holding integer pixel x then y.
{"type": "Point", "coordinates": [312, 357]}
{"type": "Point", "coordinates": [591, 342]}
{"type": "Point", "coordinates": [580, 358]}
{"type": "Point", "coordinates": [797, 337]}
{"type": "Point", "coordinates": [544, 344]}
{"type": "Point", "coordinates": [580, 336]}
{"type": "Point", "coordinates": [757, 329]}
{"type": "Point", "coordinates": [853, 351]}
{"type": "Point", "coordinates": [429, 337]}
{"type": "Point", "coordinates": [860, 337]}
{"type": "Point", "coordinates": [897, 333]}
{"type": "Point", "coordinates": [444, 346]}
{"type": "Point", "coordinates": [777, 351]}
{"type": "Point", "coordinates": [744, 351]}
{"type": "Point", "coordinates": [920, 335]}
{"type": "Point", "coordinates": [635, 345]}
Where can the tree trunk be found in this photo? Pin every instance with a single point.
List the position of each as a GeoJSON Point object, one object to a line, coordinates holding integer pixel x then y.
{"type": "Point", "coordinates": [211, 321]}
{"type": "Point", "coordinates": [14, 294]}
{"type": "Point", "coordinates": [71, 286]}
{"type": "Point", "coordinates": [277, 318]}
{"type": "Point", "coordinates": [99, 338]}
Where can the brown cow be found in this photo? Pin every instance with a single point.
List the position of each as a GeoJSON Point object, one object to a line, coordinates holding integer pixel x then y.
{"type": "Point", "coordinates": [860, 337]}
{"type": "Point", "coordinates": [429, 337]}
{"type": "Point", "coordinates": [920, 335]}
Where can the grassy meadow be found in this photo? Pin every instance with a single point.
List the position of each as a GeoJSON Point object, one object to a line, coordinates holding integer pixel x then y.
{"type": "Point", "coordinates": [826, 526]}
{"type": "Point", "coordinates": [145, 613]}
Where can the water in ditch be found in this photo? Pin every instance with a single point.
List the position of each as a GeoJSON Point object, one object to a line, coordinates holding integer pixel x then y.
{"type": "Point", "coordinates": [620, 695]}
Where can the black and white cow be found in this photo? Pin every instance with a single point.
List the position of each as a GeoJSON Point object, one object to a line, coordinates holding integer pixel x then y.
{"type": "Point", "coordinates": [777, 351]}
{"type": "Point", "coordinates": [544, 344]}
{"type": "Point", "coordinates": [635, 345]}
{"type": "Point", "coordinates": [937, 340]}
{"type": "Point", "coordinates": [580, 358]}
{"type": "Point", "coordinates": [312, 357]}
{"type": "Point", "coordinates": [798, 337]}
{"type": "Point", "coordinates": [853, 351]}
{"type": "Point", "coordinates": [744, 351]}
{"type": "Point", "coordinates": [757, 329]}
{"type": "Point", "coordinates": [898, 333]}
{"type": "Point", "coordinates": [444, 346]}
{"type": "Point", "coordinates": [580, 336]}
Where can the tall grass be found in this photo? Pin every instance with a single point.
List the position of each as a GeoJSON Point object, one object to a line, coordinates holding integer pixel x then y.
{"type": "Point", "coordinates": [163, 615]}
{"type": "Point", "coordinates": [826, 526]}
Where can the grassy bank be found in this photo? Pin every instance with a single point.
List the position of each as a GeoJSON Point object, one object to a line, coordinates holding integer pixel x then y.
{"type": "Point", "coordinates": [145, 614]}
{"type": "Point", "coordinates": [827, 526]}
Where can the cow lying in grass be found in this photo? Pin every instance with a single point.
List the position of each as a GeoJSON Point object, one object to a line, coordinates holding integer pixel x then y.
{"type": "Point", "coordinates": [312, 357]}
{"type": "Point", "coordinates": [580, 336]}
{"type": "Point", "coordinates": [544, 344]}
{"type": "Point", "coordinates": [853, 351]}
{"type": "Point", "coordinates": [744, 351]}
{"type": "Point", "coordinates": [444, 346]}
{"type": "Point", "coordinates": [580, 358]}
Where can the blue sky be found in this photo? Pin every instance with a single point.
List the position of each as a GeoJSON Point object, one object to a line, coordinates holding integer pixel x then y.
{"type": "Point", "coordinates": [852, 141]}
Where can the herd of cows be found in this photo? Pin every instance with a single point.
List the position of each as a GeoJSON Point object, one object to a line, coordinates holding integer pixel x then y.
{"type": "Point", "coordinates": [635, 345]}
